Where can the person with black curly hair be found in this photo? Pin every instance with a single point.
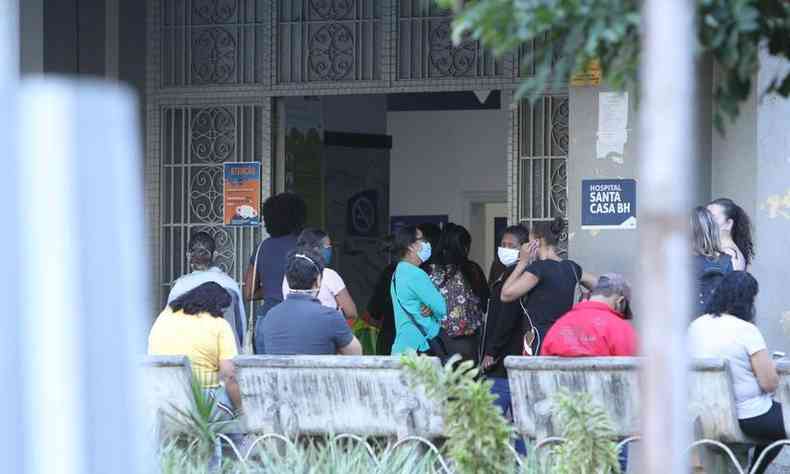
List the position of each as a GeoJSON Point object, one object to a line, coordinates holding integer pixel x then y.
{"type": "Point", "coordinates": [727, 331]}
{"type": "Point", "coordinates": [284, 216]}
{"type": "Point", "coordinates": [193, 325]}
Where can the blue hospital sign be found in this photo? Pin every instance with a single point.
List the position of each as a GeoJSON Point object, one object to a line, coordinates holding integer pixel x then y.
{"type": "Point", "coordinates": [609, 204]}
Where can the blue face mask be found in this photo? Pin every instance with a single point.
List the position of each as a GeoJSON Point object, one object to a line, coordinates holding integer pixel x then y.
{"type": "Point", "coordinates": [327, 254]}
{"type": "Point", "coordinates": [425, 252]}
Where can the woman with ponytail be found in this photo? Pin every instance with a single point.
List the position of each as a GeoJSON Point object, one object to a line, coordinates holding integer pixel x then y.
{"type": "Point", "coordinates": [548, 282]}
{"type": "Point", "coordinates": [735, 232]}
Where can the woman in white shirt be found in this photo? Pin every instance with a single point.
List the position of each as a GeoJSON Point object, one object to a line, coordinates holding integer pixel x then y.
{"type": "Point", "coordinates": [333, 292]}
{"type": "Point", "coordinates": [727, 331]}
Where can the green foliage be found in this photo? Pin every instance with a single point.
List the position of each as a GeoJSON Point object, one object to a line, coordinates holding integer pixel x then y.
{"type": "Point", "coordinates": [561, 37]}
{"type": "Point", "coordinates": [203, 423]}
{"type": "Point", "coordinates": [589, 447]}
{"type": "Point", "coordinates": [325, 457]}
{"type": "Point", "coordinates": [478, 434]}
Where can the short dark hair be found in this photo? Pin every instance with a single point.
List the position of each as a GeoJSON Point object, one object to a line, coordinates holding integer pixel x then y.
{"type": "Point", "coordinates": [550, 231]}
{"type": "Point", "coordinates": [519, 231]}
{"type": "Point", "coordinates": [403, 239]}
{"type": "Point", "coordinates": [302, 268]}
{"type": "Point", "coordinates": [735, 295]}
{"type": "Point", "coordinates": [284, 214]}
{"type": "Point", "coordinates": [311, 237]}
{"type": "Point", "coordinates": [201, 248]}
{"type": "Point", "coordinates": [209, 298]}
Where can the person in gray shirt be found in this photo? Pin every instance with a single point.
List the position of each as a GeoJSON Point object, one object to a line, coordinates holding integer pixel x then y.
{"type": "Point", "coordinates": [300, 325]}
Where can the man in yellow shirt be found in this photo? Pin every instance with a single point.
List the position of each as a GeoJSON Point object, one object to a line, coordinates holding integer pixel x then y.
{"type": "Point", "coordinates": [193, 325]}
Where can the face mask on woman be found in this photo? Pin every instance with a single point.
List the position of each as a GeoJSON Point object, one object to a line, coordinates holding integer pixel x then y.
{"type": "Point", "coordinates": [425, 251]}
{"type": "Point", "coordinates": [507, 256]}
{"type": "Point", "coordinates": [327, 254]}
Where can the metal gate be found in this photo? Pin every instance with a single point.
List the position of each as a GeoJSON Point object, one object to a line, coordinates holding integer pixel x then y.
{"type": "Point", "coordinates": [542, 150]}
{"type": "Point", "coordinates": [196, 141]}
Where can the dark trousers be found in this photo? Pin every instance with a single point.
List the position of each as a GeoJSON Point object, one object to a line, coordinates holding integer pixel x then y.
{"type": "Point", "coordinates": [466, 346]}
{"type": "Point", "coordinates": [769, 427]}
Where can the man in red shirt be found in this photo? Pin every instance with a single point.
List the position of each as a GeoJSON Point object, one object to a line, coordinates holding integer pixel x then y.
{"type": "Point", "coordinates": [597, 327]}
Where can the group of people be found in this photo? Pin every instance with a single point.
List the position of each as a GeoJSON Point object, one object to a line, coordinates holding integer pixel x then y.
{"type": "Point", "coordinates": [725, 312]}
{"type": "Point", "coordinates": [434, 300]}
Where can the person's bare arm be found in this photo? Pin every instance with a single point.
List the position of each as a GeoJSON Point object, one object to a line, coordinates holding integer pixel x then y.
{"type": "Point", "coordinates": [227, 373]}
{"type": "Point", "coordinates": [248, 294]}
{"type": "Point", "coordinates": [353, 348]}
{"type": "Point", "coordinates": [765, 371]}
{"type": "Point", "coordinates": [520, 281]}
{"type": "Point", "coordinates": [346, 304]}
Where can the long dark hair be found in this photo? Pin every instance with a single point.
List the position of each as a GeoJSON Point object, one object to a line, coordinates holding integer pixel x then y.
{"type": "Point", "coordinates": [453, 255]}
{"type": "Point", "coordinates": [735, 296]}
{"type": "Point", "coordinates": [209, 298]}
{"type": "Point", "coordinates": [741, 227]}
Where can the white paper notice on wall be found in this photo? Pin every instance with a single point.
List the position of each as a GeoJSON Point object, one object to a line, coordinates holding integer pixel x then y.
{"type": "Point", "coordinates": [612, 126]}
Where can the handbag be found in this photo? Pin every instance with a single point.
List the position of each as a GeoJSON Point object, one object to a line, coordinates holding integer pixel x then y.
{"type": "Point", "coordinates": [435, 344]}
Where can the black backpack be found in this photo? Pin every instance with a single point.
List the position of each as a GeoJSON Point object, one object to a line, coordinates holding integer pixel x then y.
{"type": "Point", "coordinates": [708, 281]}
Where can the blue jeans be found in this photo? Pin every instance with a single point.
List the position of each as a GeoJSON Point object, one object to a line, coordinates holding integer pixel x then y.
{"type": "Point", "coordinates": [501, 389]}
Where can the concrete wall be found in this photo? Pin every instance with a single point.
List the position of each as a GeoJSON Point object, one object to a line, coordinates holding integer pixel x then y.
{"type": "Point", "coordinates": [771, 218]}
{"type": "Point", "coordinates": [607, 250]}
{"type": "Point", "coordinates": [614, 250]}
{"type": "Point", "coordinates": [437, 156]}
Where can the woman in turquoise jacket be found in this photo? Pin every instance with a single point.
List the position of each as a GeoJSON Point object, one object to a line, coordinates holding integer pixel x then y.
{"type": "Point", "coordinates": [413, 292]}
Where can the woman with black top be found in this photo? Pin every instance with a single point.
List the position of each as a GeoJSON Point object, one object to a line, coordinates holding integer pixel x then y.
{"type": "Point", "coordinates": [546, 280]}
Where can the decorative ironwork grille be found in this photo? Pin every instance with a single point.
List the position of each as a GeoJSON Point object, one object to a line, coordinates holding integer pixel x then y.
{"type": "Point", "coordinates": [195, 143]}
{"type": "Point", "coordinates": [213, 42]}
{"type": "Point", "coordinates": [426, 51]}
{"type": "Point", "coordinates": [542, 159]}
{"type": "Point", "coordinates": [328, 40]}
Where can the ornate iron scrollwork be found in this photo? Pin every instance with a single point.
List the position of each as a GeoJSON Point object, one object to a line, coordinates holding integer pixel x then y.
{"type": "Point", "coordinates": [332, 9]}
{"type": "Point", "coordinates": [447, 59]}
{"type": "Point", "coordinates": [213, 135]}
{"type": "Point", "coordinates": [213, 56]}
{"type": "Point", "coordinates": [332, 52]}
{"type": "Point", "coordinates": [559, 126]}
{"type": "Point", "coordinates": [205, 194]}
{"type": "Point", "coordinates": [215, 11]}
{"type": "Point", "coordinates": [559, 189]}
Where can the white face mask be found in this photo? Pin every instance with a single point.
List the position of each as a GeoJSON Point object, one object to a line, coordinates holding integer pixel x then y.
{"type": "Point", "coordinates": [507, 256]}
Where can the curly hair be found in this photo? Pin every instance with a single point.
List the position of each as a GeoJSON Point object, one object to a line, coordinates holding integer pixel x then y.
{"type": "Point", "coordinates": [209, 298]}
{"type": "Point", "coordinates": [284, 214]}
{"type": "Point", "coordinates": [741, 227]}
{"type": "Point", "coordinates": [735, 296]}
